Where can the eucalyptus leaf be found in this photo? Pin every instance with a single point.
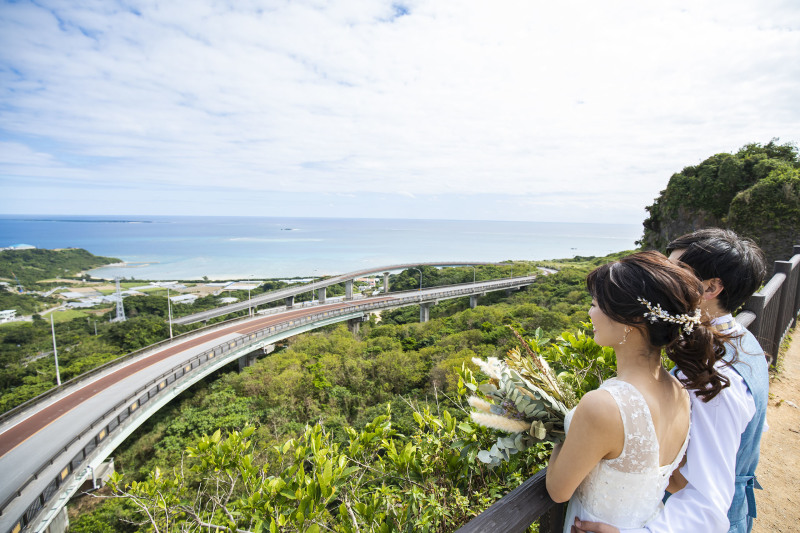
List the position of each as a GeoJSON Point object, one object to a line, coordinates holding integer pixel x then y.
{"type": "Point", "coordinates": [487, 388]}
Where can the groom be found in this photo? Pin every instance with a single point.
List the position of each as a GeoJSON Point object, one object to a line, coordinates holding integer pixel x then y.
{"type": "Point", "coordinates": [719, 473]}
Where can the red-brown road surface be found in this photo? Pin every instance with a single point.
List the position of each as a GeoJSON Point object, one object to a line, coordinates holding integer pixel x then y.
{"type": "Point", "coordinates": [16, 435]}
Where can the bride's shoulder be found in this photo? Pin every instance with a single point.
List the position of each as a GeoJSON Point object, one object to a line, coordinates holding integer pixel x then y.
{"type": "Point", "coordinates": [598, 406]}
{"type": "Point", "coordinates": [597, 417]}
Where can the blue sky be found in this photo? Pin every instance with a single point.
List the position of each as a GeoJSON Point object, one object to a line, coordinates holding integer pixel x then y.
{"type": "Point", "coordinates": [514, 110]}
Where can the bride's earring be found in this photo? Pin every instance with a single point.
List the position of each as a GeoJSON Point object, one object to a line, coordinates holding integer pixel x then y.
{"type": "Point", "coordinates": [625, 337]}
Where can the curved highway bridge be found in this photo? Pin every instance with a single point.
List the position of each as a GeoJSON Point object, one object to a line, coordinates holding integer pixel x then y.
{"type": "Point", "coordinates": [51, 447]}
{"type": "Point", "coordinates": [289, 293]}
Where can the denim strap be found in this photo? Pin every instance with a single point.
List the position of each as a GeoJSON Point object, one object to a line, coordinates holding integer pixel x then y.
{"type": "Point", "coordinates": [750, 483]}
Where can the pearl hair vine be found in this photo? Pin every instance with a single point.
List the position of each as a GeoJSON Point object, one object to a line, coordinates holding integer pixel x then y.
{"type": "Point", "coordinates": [656, 313]}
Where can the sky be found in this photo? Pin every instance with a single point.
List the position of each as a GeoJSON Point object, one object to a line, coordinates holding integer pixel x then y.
{"type": "Point", "coordinates": [457, 109]}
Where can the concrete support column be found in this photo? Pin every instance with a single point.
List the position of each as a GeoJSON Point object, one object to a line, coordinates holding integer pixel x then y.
{"type": "Point", "coordinates": [289, 302]}
{"type": "Point", "coordinates": [321, 293]}
{"type": "Point", "coordinates": [424, 312]}
{"type": "Point", "coordinates": [60, 523]}
{"type": "Point", "coordinates": [248, 360]}
{"type": "Point", "coordinates": [385, 283]}
{"type": "Point", "coordinates": [354, 324]}
{"type": "Point", "coordinates": [348, 289]}
{"type": "Point", "coordinates": [473, 301]}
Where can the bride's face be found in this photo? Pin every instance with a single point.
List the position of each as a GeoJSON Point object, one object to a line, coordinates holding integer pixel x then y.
{"type": "Point", "coordinates": [607, 332]}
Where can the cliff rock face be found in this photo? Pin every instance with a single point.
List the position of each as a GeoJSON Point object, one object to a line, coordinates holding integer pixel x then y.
{"type": "Point", "coordinates": [678, 222]}
{"type": "Point", "coordinates": [755, 192]}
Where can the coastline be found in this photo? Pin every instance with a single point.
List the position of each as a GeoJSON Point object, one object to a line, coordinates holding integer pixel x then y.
{"type": "Point", "coordinates": [192, 248]}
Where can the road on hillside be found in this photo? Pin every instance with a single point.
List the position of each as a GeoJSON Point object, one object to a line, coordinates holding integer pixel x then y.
{"type": "Point", "coordinates": [12, 437]}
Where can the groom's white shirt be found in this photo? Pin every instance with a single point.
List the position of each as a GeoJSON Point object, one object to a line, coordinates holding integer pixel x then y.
{"type": "Point", "coordinates": [714, 437]}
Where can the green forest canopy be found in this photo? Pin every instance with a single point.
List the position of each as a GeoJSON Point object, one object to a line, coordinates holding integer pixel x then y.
{"type": "Point", "coordinates": [33, 265]}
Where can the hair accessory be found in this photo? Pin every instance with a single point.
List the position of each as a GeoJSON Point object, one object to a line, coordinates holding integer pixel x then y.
{"type": "Point", "coordinates": [655, 312]}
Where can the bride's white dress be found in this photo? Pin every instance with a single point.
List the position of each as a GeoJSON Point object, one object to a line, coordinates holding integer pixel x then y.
{"type": "Point", "coordinates": [625, 491]}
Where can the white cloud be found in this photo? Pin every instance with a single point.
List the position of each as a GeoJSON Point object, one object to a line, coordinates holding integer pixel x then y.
{"type": "Point", "coordinates": [435, 98]}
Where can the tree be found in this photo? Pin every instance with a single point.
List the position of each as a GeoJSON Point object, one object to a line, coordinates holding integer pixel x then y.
{"type": "Point", "coordinates": [378, 481]}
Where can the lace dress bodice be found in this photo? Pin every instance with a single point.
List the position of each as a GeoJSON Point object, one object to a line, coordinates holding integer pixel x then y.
{"type": "Point", "coordinates": [627, 491]}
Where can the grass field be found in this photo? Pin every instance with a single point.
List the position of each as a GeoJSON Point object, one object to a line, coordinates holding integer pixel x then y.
{"type": "Point", "coordinates": [69, 314]}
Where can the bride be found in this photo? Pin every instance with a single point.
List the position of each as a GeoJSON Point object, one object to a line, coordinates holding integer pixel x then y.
{"type": "Point", "coordinates": [625, 438]}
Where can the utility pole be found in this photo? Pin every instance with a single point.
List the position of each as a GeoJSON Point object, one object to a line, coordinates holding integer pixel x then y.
{"type": "Point", "coordinates": [55, 351]}
{"type": "Point", "coordinates": [120, 307]}
{"type": "Point", "coordinates": [169, 313]}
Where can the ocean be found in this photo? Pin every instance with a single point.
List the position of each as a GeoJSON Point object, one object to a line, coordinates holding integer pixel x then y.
{"type": "Point", "coordinates": [180, 247]}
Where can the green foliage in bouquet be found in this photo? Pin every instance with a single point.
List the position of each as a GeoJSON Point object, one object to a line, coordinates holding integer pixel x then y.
{"type": "Point", "coordinates": [525, 397]}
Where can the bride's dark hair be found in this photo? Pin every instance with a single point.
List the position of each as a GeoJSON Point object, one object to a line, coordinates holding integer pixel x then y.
{"type": "Point", "coordinates": [617, 288]}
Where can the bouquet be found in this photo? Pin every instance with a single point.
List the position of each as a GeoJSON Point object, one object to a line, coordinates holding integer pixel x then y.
{"type": "Point", "coordinates": [523, 397]}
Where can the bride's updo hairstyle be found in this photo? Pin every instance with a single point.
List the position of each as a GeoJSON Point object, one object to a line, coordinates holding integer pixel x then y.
{"type": "Point", "coordinates": [661, 299]}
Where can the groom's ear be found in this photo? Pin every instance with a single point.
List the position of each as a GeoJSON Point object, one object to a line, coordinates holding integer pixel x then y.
{"type": "Point", "coordinates": [711, 288]}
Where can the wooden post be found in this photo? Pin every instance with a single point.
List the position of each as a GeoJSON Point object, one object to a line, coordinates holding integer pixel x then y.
{"type": "Point", "coordinates": [755, 304]}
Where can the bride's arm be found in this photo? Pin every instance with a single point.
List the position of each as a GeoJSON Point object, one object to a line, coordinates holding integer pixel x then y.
{"type": "Point", "coordinates": [595, 433]}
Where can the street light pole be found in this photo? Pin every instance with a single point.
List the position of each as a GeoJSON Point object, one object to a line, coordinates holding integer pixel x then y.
{"type": "Point", "coordinates": [420, 277]}
{"type": "Point", "coordinates": [473, 274]}
{"type": "Point", "coordinates": [169, 313]}
{"type": "Point", "coordinates": [55, 351]}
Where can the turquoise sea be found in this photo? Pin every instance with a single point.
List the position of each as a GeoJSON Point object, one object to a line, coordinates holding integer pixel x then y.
{"type": "Point", "coordinates": [171, 247]}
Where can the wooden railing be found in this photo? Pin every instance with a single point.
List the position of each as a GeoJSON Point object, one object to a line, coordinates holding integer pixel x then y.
{"type": "Point", "coordinates": [516, 511]}
{"type": "Point", "coordinates": [769, 315]}
{"type": "Point", "coordinates": [771, 312]}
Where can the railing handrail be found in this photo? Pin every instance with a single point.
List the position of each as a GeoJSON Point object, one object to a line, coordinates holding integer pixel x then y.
{"type": "Point", "coordinates": [293, 290]}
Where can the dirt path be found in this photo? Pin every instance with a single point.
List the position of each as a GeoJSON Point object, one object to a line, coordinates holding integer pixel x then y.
{"type": "Point", "coordinates": [779, 467]}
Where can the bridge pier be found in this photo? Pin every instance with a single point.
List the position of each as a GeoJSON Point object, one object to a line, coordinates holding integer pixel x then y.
{"type": "Point", "coordinates": [354, 324]}
{"type": "Point", "coordinates": [473, 301]}
{"type": "Point", "coordinates": [321, 294]}
{"type": "Point", "coordinates": [425, 312]}
{"type": "Point", "coordinates": [289, 302]}
{"type": "Point", "coordinates": [249, 359]}
{"type": "Point", "coordinates": [60, 523]}
{"type": "Point", "coordinates": [348, 289]}
{"type": "Point", "coordinates": [385, 283]}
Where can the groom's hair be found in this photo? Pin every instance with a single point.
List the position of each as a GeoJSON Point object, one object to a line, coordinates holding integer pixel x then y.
{"type": "Point", "coordinates": [720, 253]}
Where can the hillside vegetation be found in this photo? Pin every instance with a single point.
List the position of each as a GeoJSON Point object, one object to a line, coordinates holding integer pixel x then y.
{"type": "Point", "coordinates": [755, 192]}
{"type": "Point", "coordinates": [35, 265]}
